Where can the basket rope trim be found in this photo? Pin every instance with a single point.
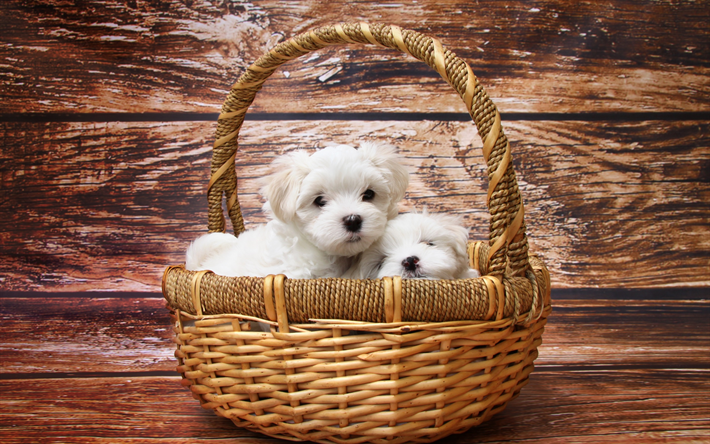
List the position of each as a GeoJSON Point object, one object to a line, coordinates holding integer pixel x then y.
{"type": "Point", "coordinates": [385, 301]}
{"type": "Point", "coordinates": [370, 300]}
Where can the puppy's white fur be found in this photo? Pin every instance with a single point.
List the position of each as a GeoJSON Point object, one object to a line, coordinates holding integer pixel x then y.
{"type": "Point", "coordinates": [309, 198]}
{"type": "Point", "coordinates": [417, 246]}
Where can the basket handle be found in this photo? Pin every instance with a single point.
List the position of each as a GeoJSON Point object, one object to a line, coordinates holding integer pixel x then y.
{"type": "Point", "coordinates": [507, 238]}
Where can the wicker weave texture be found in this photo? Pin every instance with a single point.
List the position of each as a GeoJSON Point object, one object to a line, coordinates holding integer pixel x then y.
{"type": "Point", "coordinates": [377, 383]}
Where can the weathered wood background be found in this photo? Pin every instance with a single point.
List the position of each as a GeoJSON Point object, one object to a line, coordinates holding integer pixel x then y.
{"type": "Point", "coordinates": [109, 111]}
{"type": "Point", "coordinates": [107, 117]}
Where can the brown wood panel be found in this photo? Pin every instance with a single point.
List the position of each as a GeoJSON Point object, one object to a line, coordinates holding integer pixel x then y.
{"type": "Point", "coordinates": [45, 336]}
{"type": "Point", "coordinates": [599, 406]}
{"type": "Point", "coordinates": [622, 204]}
{"type": "Point", "coordinates": [114, 197]}
{"type": "Point", "coordinates": [607, 333]}
{"type": "Point", "coordinates": [121, 409]}
{"type": "Point", "coordinates": [540, 56]}
{"type": "Point", "coordinates": [106, 206]}
{"type": "Point", "coordinates": [86, 335]}
{"type": "Point", "coordinates": [557, 407]}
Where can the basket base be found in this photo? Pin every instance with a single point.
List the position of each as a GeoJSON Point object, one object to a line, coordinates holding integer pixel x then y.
{"type": "Point", "coordinates": [393, 384]}
{"type": "Point", "coordinates": [390, 435]}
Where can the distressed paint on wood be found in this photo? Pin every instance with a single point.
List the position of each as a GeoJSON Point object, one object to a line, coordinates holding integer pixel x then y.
{"type": "Point", "coordinates": [106, 56]}
{"type": "Point", "coordinates": [106, 206]}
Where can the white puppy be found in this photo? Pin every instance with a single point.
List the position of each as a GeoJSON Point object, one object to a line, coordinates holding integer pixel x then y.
{"type": "Point", "coordinates": [326, 208]}
{"type": "Point", "coordinates": [417, 246]}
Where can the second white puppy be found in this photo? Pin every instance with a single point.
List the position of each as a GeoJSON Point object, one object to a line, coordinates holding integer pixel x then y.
{"type": "Point", "coordinates": [326, 208]}
{"type": "Point", "coordinates": [418, 246]}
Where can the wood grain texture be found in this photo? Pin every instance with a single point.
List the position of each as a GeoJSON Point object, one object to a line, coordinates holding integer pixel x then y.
{"type": "Point", "coordinates": [588, 334]}
{"type": "Point", "coordinates": [540, 56]}
{"type": "Point", "coordinates": [46, 336]}
{"type": "Point", "coordinates": [86, 335]}
{"type": "Point", "coordinates": [122, 409]}
{"type": "Point", "coordinates": [107, 195]}
{"type": "Point", "coordinates": [107, 206]}
{"type": "Point", "coordinates": [557, 407]}
{"type": "Point", "coordinates": [599, 406]}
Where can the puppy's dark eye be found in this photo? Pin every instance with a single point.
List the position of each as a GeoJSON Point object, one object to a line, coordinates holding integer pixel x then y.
{"type": "Point", "coordinates": [429, 243]}
{"type": "Point", "coordinates": [319, 202]}
{"type": "Point", "coordinates": [368, 195]}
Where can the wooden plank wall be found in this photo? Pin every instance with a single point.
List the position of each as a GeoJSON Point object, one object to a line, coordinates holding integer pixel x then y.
{"type": "Point", "coordinates": [109, 111]}
{"type": "Point", "coordinates": [107, 117]}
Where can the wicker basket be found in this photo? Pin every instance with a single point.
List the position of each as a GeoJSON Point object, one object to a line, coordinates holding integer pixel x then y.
{"type": "Point", "coordinates": [348, 361]}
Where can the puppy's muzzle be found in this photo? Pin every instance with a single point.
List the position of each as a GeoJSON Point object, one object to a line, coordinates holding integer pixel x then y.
{"type": "Point", "coordinates": [353, 223]}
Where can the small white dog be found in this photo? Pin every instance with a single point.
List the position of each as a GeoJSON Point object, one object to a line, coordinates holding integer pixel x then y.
{"type": "Point", "coordinates": [326, 208]}
{"type": "Point", "coordinates": [417, 246]}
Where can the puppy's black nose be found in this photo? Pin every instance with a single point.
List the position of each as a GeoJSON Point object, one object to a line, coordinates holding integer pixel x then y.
{"type": "Point", "coordinates": [411, 263]}
{"type": "Point", "coordinates": [352, 223]}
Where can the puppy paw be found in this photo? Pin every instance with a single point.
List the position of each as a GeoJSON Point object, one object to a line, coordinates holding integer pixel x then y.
{"type": "Point", "coordinates": [471, 273]}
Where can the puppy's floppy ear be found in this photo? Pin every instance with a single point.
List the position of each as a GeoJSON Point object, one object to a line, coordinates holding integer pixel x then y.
{"type": "Point", "coordinates": [385, 158]}
{"type": "Point", "coordinates": [282, 186]}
